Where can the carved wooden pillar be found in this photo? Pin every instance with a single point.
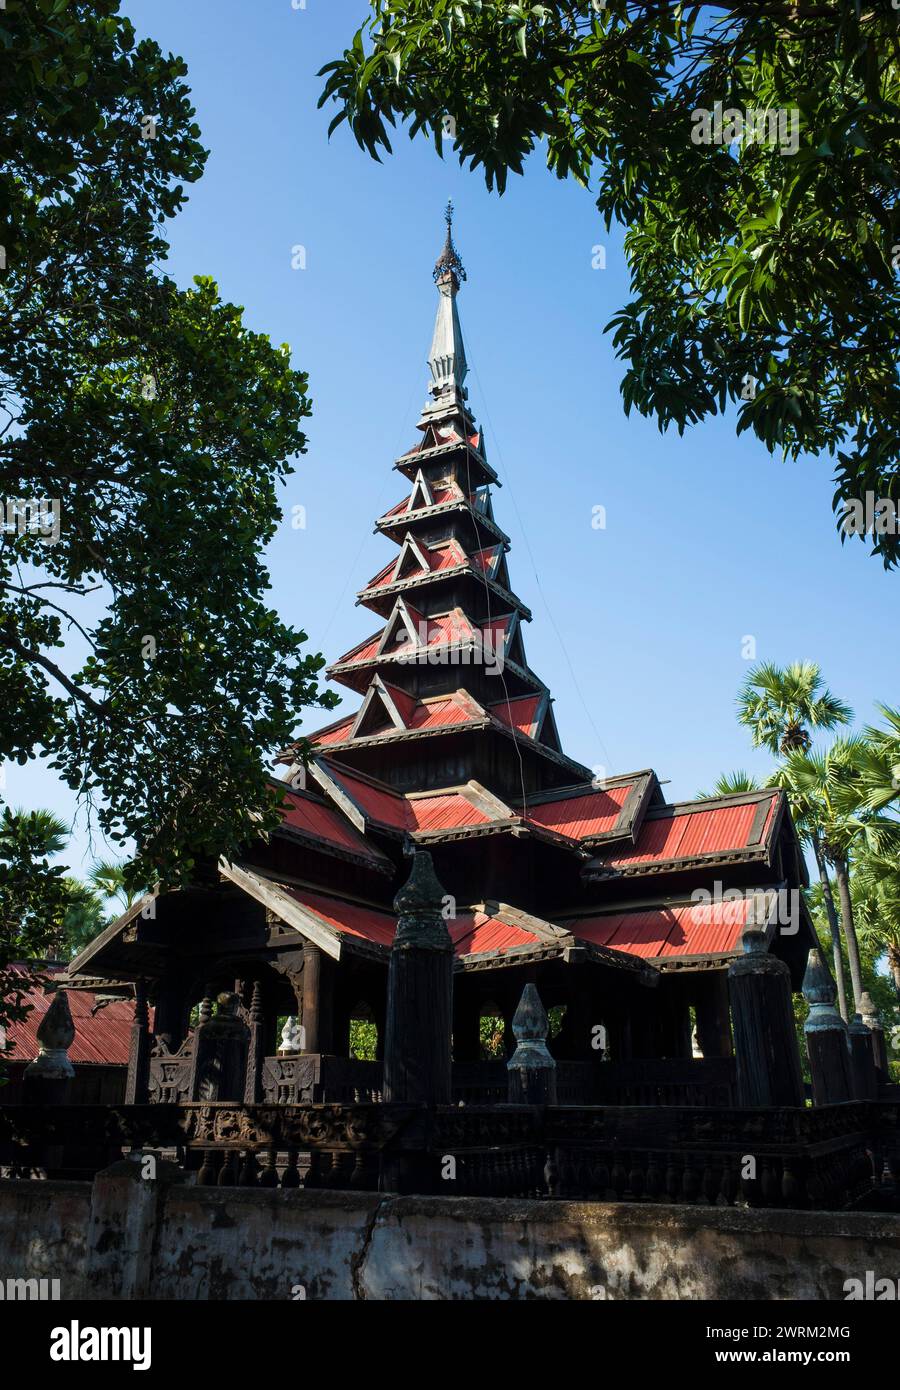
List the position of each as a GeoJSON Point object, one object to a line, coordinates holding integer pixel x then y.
{"type": "Point", "coordinates": [713, 1016]}
{"type": "Point", "coordinates": [318, 999]}
{"type": "Point", "coordinates": [826, 1037]}
{"type": "Point", "coordinates": [137, 1085]}
{"type": "Point", "coordinates": [531, 1071]}
{"type": "Point", "coordinates": [256, 1049]}
{"type": "Point", "coordinates": [765, 1039]}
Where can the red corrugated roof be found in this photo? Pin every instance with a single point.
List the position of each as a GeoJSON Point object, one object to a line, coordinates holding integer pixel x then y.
{"type": "Point", "coordinates": [518, 714]}
{"type": "Point", "coordinates": [458, 708]}
{"type": "Point", "coordinates": [719, 829]}
{"type": "Point", "coordinates": [578, 816]}
{"type": "Point", "coordinates": [322, 822]}
{"type": "Point", "coordinates": [475, 932]}
{"type": "Point", "coordinates": [352, 919]}
{"type": "Point", "coordinates": [470, 932]}
{"type": "Point", "coordinates": [691, 929]}
{"type": "Point", "coordinates": [102, 1037]}
{"type": "Point", "coordinates": [379, 804]}
{"type": "Point", "coordinates": [448, 811]}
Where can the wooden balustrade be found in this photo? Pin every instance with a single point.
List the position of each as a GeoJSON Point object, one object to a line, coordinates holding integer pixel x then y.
{"type": "Point", "coordinates": [826, 1157]}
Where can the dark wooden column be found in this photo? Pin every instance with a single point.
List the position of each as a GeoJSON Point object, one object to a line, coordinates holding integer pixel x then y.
{"type": "Point", "coordinates": [417, 1063]}
{"type": "Point", "coordinates": [318, 999]}
{"type": "Point", "coordinates": [466, 1018]}
{"type": "Point", "coordinates": [862, 1061]}
{"type": "Point", "coordinates": [137, 1084]}
{"type": "Point", "coordinates": [713, 1015]}
{"type": "Point", "coordinates": [765, 1038]}
{"type": "Point", "coordinates": [170, 1021]}
{"type": "Point", "coordinates": [674, 1020]}
{"type": "Point", "coordinates": [826, 1037]}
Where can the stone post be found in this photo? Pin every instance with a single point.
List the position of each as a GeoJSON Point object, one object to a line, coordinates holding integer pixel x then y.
{"type": "Point", "coordinates": [826, 1037]}
{"type": "Point", "coordinates": [417, 1064]}
{"type": "Point", "coordinates": [137, 1084]}
{"type": "Point", "coordinates": [765, 1039]}
{"type": "Point", "coordinates": [872, 1019]}
{"type": "Point", "coordinates": [531, 1069]}
{"type": "Point", "coordinates": [48, 1079]}
{"type": "Point", "coordinates": [862, 1060]}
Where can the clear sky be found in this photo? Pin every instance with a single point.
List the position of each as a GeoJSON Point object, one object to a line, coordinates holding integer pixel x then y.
{"type": "Point", "coordinates": [638, 628]}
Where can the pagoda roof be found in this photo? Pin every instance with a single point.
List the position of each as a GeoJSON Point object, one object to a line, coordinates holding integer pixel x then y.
{"type": "Point", "coordinates": [426, 452]}
{"type": "Point", "coordinates": [722, 830]}
{"type": "Point", "coordinates": [390, 714]}
{"type": "Point", "coordinates": [427, 501]}
{"type": "Point", "coordinates": [312, 820]}
{"type": "Point", "coordinates": [441, 560]}
{"type": "Point", "coordinates": [478, 931]}
{"type": "Point", "coordinates": [665, 930]}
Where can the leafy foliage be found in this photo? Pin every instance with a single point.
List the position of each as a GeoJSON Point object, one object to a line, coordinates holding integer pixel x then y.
{"type": "Point", "coordinates": [763, 273]}
{"type": "Point", "coordinates": [162, 426]}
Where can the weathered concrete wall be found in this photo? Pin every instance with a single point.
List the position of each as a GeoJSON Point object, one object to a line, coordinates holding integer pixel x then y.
{"type": "Point", "coordinates": [132, 1238]}
{"type": "Point", "coordinates": [44, 1232]}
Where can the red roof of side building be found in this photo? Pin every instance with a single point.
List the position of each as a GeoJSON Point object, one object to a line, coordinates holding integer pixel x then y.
{"type": "Point", "coordinates": [692, 929]}
{"type": "Point", "coordinates": [100, 1037]}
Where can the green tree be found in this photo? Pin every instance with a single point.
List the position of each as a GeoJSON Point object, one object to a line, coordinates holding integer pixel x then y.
{"type": "Point", "coordinates": [730, 784]}
{"type": "Point", "coordinates": [780, 705]}
{"type": "Point", "coordinates": [762, 272]}
{"type": "Point", "coordinates": [136, 646]}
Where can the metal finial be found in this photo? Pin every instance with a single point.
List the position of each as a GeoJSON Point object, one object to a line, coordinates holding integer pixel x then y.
{"type": "Point", "coordinates": [448, 262]}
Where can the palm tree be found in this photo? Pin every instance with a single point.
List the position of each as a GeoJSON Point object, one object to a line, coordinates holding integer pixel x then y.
{"type": "Point", "coordinates": [108, 879]}
{"type": "Point", "coordinates": [730, 784]}
{"type": "Point", "coordinates": [779, 705]}
{"type": "Point", "coordinates": [876, 904]}
{"type": "Point", "coordinates": [880, 763]}
{"type": "Point", "coordinates": [828, 784]}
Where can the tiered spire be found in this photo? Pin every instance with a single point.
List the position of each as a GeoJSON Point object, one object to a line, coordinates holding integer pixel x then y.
{"type": "Point", "coordinates": [448, 692]}
{"type": "Point", "coordinates": [447, 358]}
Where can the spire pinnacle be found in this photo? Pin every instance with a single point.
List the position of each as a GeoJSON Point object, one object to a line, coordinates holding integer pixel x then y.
{"type": "Point", "coordinates": [447, 358]}
{"type": "Point", "coordinates": [448, 262]}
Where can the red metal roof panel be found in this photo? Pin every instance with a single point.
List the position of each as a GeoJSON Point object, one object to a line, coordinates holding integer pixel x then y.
{"type": "Point", "coordinates": [101, 1037]}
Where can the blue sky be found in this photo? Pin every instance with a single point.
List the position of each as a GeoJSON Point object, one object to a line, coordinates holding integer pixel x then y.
{"type": "Point", "coordinates": [637, 628]}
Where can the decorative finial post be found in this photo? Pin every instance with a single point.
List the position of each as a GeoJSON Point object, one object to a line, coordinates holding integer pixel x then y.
{"type": "Point", "coordinates": [417, 1060]}
{"type": "Point", "coordinates": [48, 1079]}
{"type": "Point", "coordinates": [827, 1041]}
{"type": "Point", "coordinates": [420, 990]}
{"type": "Point", "coordinates": [872, 1019]}
{"type": "Point", "coordinates": [765, 1039]}
{"type": "Point", "coordinates": [531, 1069]}
{"type": "Point", "coordinates": [862, 1060]}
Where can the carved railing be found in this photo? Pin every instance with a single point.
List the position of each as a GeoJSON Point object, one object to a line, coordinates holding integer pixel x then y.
{"type": "Point", "coordinates": [828, 1157]}
{"type": "Point", "coordinates": [314, 1078]}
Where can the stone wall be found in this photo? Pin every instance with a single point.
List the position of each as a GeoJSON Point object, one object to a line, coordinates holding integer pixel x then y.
{"type": "Point", "coordinates": [130, 1237]}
